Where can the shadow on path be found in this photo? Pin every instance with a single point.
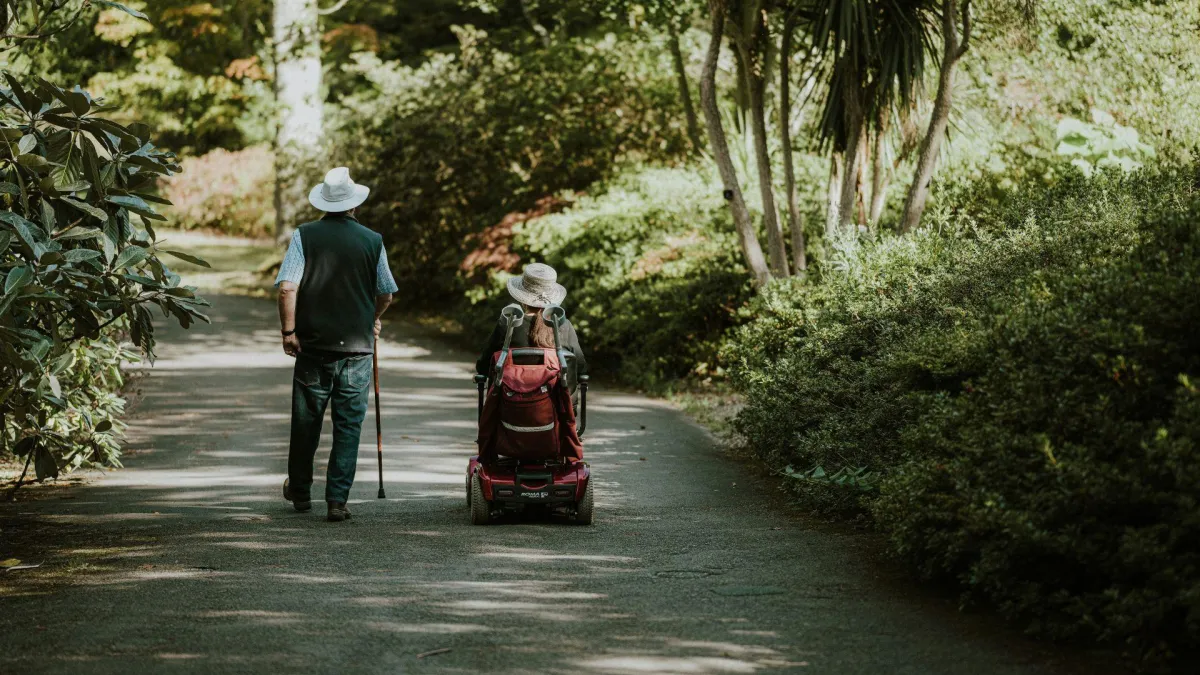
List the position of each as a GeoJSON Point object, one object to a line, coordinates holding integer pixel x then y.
{"type": "Point", "coordinates": [189, 561]}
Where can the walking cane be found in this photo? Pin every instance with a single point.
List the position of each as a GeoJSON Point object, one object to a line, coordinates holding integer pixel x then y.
{"type": "Point", "coordinates": [378, 419]}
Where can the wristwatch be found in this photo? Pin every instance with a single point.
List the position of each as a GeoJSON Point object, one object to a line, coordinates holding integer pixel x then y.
{"type": "Point", "coordinates": [289, 333]}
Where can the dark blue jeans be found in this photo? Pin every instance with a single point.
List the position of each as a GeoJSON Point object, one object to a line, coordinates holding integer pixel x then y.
{"type": "Point", "coordinates": [321, 378]}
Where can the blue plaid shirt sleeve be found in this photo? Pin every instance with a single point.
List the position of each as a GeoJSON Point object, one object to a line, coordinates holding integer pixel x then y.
{"type": "Point", "coordinates": [292, 268]}
{"type": "Point", "coordinates": [385, 283]}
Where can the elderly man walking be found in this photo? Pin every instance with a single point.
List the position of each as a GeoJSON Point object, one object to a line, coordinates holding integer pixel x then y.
{"type": "Point", "coordinates": [333, 287]}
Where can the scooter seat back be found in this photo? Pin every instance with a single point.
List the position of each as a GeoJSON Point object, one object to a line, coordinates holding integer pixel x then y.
{"type": "Point", "coordinates": [529, 418]}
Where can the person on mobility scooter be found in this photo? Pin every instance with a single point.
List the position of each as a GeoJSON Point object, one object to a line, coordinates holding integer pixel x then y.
{"type": "Point", "coordinates": [532, 381]}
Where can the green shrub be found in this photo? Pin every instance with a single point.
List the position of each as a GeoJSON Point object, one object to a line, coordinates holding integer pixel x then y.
{"type": "Point", "coordinates": [453, 146]}
{"type": "Point", "coordinates": [1062, 481]}
{"type": "Point", "coordinates": [1019, 386]}
{"type": "Point", "coordinates": [653, 270]}
{"type": "Point", "coordinates": [207, 195]}
{"type": "Point", "coordinates": [828, 369]}
{"type": "Point", "coordinates": [80, 267]}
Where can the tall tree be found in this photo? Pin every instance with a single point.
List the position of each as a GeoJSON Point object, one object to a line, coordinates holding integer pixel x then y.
{"type": "Point", "coordinates": [954, 46]}
{"type": "Point", "coordinates": [299, 132]}
{"type": "Point", "coordinates": [752, 38]}
{"type": "Point", "coordinates": [685, 89]}
{"type": "Point", "coordinates": [874, 62]}
{"type": "Point", "coordinates": [719, 145]}
{"type": "Point", "coordinates": [795, 220]}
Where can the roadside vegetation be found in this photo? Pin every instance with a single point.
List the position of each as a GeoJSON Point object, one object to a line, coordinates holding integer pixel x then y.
{"type": "Point", "coordinates": [940, 252]}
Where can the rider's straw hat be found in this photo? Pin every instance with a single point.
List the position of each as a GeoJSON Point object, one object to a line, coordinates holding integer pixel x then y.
{"type": "Point", "coordinates": [537, 287]}
{"type": "Point", "coordinates": [338, 193]}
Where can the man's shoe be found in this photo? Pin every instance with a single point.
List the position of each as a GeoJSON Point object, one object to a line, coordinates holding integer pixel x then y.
{"type": "Point", "coordinates": [301, 505]}
{"type": "Point", "coordinates": [338, 512]}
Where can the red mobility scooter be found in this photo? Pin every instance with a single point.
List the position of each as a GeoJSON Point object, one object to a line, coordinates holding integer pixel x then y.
{"type": "Point", "coordinates": [530, 457]}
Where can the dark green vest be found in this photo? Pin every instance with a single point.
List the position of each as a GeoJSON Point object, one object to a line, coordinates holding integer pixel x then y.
{"type": "Point", "coordinates": [335, 306]}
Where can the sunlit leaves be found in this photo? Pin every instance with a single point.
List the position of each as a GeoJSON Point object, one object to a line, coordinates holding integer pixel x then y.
{"type": "Point", "coordinates": [78, 269]}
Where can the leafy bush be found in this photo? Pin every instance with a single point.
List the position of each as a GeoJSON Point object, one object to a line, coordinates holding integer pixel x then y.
{"type": "Point", "coordinates": [1061, 482]}
{"type": "Point", "coordinates": [1021, 386]}
{"type": "Point", "coordinates": [653, 270]}
{"type": "Point", "coordinates": [207, 195]}
{"type": "Point", "coordinates": [1100, 145]}
{"type": "Point", "coordinates": [454, 145]}
{"type": "Point", "coordinates": [77, 268]}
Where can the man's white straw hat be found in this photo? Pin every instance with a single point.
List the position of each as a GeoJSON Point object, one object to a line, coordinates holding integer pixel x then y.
{"type": "Point", "coordinates": [537, 286]}
{"type": "Point", "coordinates": [338, 193]}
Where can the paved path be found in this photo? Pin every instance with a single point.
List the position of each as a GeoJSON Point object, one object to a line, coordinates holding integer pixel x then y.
{"type": "Point", "coordinates": [193, 563]}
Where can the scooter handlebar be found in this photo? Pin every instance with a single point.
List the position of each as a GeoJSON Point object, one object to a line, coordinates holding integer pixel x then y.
{"type": "Point", "coordinates": [554, 315]}
{"type": "Point", "coordinates": [513, 316]}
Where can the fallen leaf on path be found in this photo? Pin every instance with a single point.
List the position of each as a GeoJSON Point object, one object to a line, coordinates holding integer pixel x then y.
{"type": "Point", "coordinates": [434, 652]}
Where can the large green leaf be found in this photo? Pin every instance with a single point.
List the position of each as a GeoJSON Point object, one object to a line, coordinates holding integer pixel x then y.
{"type": "Point", "coordinates": [132, 255]}
{"type": "Point", "coordinates": [78, 232]}
{"type": "Point", "coordinates": [187, 257]}
{"type": "Point", "coordinates": [63, 362]}
{"type": "Point", "coordinates": [35, 163]}
{"type": "Point", "coordinates": [30, 103]}
{"type": "Point", "coordinates": [78, 103]}
{"type": "Point", "coordinates": [44, 464]}
{"type": "Point", "coordinates": [76, 186]}
{"type": "Point", "coordinates": [17, 278]}
{"type": "Point", "coordinates": [92, 211]}
{"type": "Point", "coordinates": [80, 254]}
{"type": "Point", "coordinates": [135, 204]}
{"type": "Point", "coordinates": [123, 8]}
{"type": "Point", "coordinates": [27, 231]}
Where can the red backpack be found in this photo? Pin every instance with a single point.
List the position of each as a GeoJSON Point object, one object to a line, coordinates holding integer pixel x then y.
{"type": "Point", "coordinates": [528, 414]}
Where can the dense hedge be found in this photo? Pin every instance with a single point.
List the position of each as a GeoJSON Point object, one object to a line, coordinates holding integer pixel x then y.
{"type": "Point", "coordinates": [1022, 391]}
{"type": "Point", "coordinates": [653, 269]}
{"type": "Point", "coordinates": [451, 147]}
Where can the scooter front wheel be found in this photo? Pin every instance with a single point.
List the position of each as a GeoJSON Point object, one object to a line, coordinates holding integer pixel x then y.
{"type": "Point", "coordinates": [586, 507]}
{"type": "Point", "coordinates": [481, 509]}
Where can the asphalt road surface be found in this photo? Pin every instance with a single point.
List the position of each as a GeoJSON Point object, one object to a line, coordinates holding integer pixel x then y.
{"type": "Point", "coordinates": [189, 561]}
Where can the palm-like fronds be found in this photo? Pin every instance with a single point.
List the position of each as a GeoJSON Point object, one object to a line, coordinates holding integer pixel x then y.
{"type": "Point", "coordinates": [873, 57]}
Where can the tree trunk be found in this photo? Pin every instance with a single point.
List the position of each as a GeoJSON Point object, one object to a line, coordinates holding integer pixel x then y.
{"type": "Point", "coordinates": [879, 179]}
{"type": "Point", "coordinates": [685, 90]}
{"type": "Point", "coordinates": [864, 158]}
{"type": "Point", "coordinates": [795, 221]}
{"type": "Point", "coordinates": [834, 191]}
{"type": "Point", "coordinates": [719, 145]}
{"type": "Point", "coordinates": [298, 97]}
{"type": "Point", "coordinates": [931, 146]}
{"type": "Point", "coordinates": [756, 84]}
{"type": "Point", "coordinates": [740, 96]}
{"type": "Point", "coordinates": [849, 191]}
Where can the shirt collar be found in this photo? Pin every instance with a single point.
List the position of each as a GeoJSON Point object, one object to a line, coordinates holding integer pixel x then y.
{"type": "Point", "coordinates": [339, 216]}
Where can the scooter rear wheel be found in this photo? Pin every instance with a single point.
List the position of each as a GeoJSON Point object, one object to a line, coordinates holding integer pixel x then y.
{"type": "Point", "coordinates": [481, 509]}
{"type": "Point", "coordinates": [586, 506]}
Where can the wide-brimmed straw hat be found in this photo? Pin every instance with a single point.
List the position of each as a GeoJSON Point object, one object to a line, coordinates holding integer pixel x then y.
{"type": "Point", "coordinates": [338, 193]}
{"type": "Point", "coordinates": [537, 286]}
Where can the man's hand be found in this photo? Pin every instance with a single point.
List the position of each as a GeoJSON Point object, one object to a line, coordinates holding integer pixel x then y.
{"type": "Point", "coordinates": [291, 345]}
{"type": "Point", "coordinates": [378, 327]}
